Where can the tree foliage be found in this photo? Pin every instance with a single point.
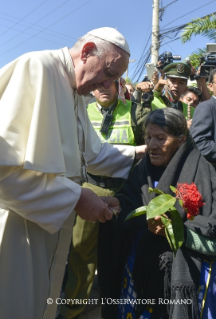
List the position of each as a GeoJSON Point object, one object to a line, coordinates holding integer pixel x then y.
{"type": "Point", "coordinates": [205, 26]}
{"type": "Point", "coordinates": [195, 57]}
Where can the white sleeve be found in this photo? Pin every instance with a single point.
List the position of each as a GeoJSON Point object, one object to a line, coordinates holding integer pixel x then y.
{"type": "Point", "coordinates": [45, 199]}
{"type": "Point", "coordinates": [113, 160]}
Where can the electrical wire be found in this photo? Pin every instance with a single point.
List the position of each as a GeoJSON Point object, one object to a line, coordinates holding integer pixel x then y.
{"type": "Point", "coordinates": [24, 17]}
{"type": "Point", "coordinates": [36, 22]}
{"type": "Point", "coordinates": [172, 49]}
{"type": "Point", "coordinates": [173, 32]}
{"type": "Point", "coordinates": [142, 58]}
{"type": "Point", "coordinates": [171, 41]}
{"type": "Point", "coordinates": [188, 13]}
{"type": "Point", "coordinates": [50, 32]}
{"type": "Point", "coordinates": [136, 65]}
{"type": "Point", "coordinates": [140, 71]}
{"type": "Point", "coordinates": [169, 33]}
{"type": "Point", "coordinates": [46, 28]}
{"type": "Point", "coordinates": [41, 38]}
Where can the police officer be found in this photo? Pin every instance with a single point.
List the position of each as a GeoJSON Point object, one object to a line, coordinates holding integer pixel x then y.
{"type": "Point", "coordinates": [167, 92]}
{"type": "Point", "coordinates": [116, 123]}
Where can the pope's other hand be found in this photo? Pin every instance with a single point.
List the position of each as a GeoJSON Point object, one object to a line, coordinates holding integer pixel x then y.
{"type": "Point", "coordinates": [92, 208]}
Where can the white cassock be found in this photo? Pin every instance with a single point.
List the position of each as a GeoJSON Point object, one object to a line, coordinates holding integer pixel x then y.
{"type": "Point", "coordinates": [46, 144]}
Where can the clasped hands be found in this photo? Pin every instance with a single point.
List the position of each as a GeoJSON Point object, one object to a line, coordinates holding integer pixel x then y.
{"type": "Point", "coordinates": [93, 208]}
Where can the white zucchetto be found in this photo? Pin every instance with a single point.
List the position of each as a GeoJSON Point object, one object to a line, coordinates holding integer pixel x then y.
{"type": "Point", "coordinates": [113, 36]}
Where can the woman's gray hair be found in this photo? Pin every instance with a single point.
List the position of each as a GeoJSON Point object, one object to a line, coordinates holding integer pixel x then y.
{"type": "Point", "coordinates": [102, 46]}
{"type": "Point", "coordinates": [172, 121]}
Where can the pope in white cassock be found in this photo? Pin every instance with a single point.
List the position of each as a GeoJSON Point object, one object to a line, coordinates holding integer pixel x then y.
{"type": "Point", "coordinates": [46, 144]}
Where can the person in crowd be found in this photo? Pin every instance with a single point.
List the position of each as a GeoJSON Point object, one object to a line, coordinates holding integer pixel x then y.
{"type": "Point", "coordinates": [192, 96]}
{"type": "Point", "coordinates": [127, 94]}
{"type": "Point", "coordinates": [136, 261]}
{"type": "Point", "coordinates": [203, 129]}
{"type": "Point", "coordinates": [130, 88]}
{"type": "Point", "coordinates": [167, 92]}
{"type": "Point", "coordinates": [47, 142]}
{"type": "Point", "coordinates": [126, 128]}
{"type": "Point", "coordinates": [200, 83]}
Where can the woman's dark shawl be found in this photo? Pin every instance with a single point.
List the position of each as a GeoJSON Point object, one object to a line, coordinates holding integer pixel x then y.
{"type": "Point", "coordinates": [156, 272]}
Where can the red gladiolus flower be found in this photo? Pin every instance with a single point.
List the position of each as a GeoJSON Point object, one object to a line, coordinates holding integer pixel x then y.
{"type": "Point", "coordinates": [191, 199]}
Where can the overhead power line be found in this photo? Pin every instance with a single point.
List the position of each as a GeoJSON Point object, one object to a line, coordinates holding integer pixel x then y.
{"type": "Point", "coordinates": [170, 33]}
{"type": "Point", "coordinates": [189, 13]}
{"type": "Point", "coordinates": [36, 22]}
{"type": "Point", "coordinates": [170, 41]}
{"type": "Point", "coordinates": [140, 61]}
{"type": "Point", "coordinates": [24, 17]}
{"type": "Point", "coordinates": [46, 28]}
{"type": "Point", "coordinates": [177, 29]}
{"type": "Point", "coordinates": [29, 24]}
{"type": "Point", "coordinates": [163, 9]}
{"type": "Point", "coordinates": [49, 40]}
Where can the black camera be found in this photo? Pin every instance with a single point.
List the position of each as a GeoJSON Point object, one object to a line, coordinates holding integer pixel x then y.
{"type": "Point", "coordinates": [147, 98]}
{"type": "Point", "coordinates": [167, 58]}
{"type": "Point", "coordinates": [106, 122]}
{"type": "Point", "coordinates": [208, 61]}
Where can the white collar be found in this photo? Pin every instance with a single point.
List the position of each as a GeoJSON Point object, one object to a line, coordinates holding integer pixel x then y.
{"type": "Point", "coordinates": [69, 67]}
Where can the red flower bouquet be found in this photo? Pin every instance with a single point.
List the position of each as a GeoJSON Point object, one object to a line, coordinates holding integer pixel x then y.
{"type": "Point", "coordinates": [189, 198]}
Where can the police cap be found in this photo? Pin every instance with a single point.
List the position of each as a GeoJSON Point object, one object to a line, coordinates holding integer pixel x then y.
{"type": "Point", "coordinates": [177, 70]}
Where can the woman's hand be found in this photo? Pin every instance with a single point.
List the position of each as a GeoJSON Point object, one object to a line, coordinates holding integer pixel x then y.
{"type": "Point", "coordinates": [112, 203]}
{"type": "Point", "coordinates": [156, 226]}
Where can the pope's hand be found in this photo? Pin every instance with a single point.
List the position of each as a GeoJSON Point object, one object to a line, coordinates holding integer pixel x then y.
{"type": "Point", "coordinates": [92, 208]}
{"type": "Point", "coordinates": [113, 203]}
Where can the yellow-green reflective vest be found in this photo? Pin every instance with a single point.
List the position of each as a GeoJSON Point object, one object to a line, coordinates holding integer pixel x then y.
{"type": "Point", "coordinates": [158, 103]}
{"type": "Point", "coordinates": [120, 131]}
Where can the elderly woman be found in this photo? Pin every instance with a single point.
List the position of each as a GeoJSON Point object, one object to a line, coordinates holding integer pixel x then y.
{"type": "Point", "coordinates": [135, 260]}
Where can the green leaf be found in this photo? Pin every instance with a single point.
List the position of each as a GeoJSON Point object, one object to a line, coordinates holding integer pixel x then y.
{"type": "Point", "coordinates": [205, 26]}
{"type": "Point", "coordinates": [169, 233]}
{"type": "Point", "coordinates": [155, 190]}
{"type": "Point", "coordinates": [173, 189]}
{"type": "Point", "coordinates": [178, 228]}
{"type": "Point", "coordinates": [160, 205]}
{"type": "Point", "coordinates": [180, 202]}
{"type": "Point", "coordinates": [137, 212]}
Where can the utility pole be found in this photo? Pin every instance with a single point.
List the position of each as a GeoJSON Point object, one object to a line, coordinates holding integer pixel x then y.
{"type": "Point", "coordinates": [126, 75]}
{"type": "Point", "coordinates": [155, 33]}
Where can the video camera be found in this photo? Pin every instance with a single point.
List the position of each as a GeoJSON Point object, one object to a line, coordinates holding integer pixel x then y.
{"type": "Point", "coordinates": [167, 58]}
{"type": "Point", "coordinates": [208, 60]}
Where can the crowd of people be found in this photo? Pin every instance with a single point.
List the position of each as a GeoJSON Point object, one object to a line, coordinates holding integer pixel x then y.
{"type": "Point", "coordinates": [80, 149]}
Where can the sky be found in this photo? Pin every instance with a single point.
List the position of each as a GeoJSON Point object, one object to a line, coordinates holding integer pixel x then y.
{"type": "Point", "coordinates": [27, 25]}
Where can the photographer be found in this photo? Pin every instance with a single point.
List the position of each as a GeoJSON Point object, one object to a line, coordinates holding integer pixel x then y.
{"type": "Point", "coordinates": [199, 81]}
{"type": "Point", "coordinates": [166, 92]}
